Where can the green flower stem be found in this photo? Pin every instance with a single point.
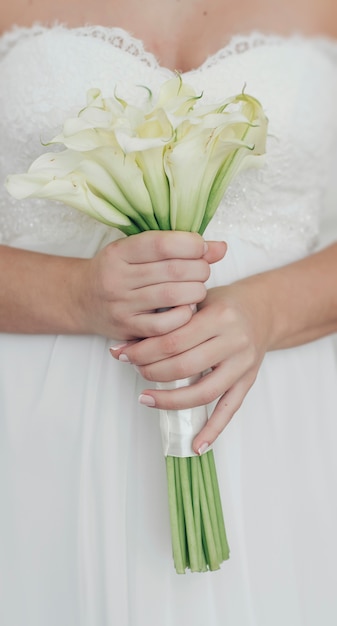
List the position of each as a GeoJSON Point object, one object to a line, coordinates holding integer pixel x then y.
{"type": "Point", "coordinates": [196, 511]}
{"type": "Point", "coordinates": [188, 514]}
{"type": "Point", "coordinates": [211, 503]}
{"type": "Point", "coordinates": [213, 560]}
{"type": "Point", "coordinates": [199, 539]}
{"type": "Point", "coordinates": [180, 508]}
{"type": "Point", "coordinates": [174, 516]}
{"type": "Point", "coordinates": [218, 505]}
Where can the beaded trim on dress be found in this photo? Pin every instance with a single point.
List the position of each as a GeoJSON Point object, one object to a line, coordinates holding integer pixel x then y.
{"type": "Point", "coordinates": [120, 38]}
{"type": "Point", "coordinates": [124, 40]}
{"type": "Point", "coordinates": [117, 37]}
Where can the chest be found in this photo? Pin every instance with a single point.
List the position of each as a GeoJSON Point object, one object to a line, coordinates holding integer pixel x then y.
{"type": "Point", "coordinates": [183, 33]}
{"type": "Point", "coordinates": [180, 33]}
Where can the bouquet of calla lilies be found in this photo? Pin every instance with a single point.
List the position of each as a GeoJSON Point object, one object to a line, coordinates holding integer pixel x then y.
{"type": "Point", "coordinates": [163, 165]}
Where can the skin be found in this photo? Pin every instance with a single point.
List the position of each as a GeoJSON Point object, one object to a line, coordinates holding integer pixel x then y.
{"type": "Point", "coordinates": [116, 293]}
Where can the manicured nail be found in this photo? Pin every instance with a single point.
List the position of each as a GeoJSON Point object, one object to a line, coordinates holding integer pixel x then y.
{"type": "Point", "coordinates": [122, 357]}
{"type": "Point", "coordinates": [203, 448]}
{"type": "Point", "coordinates": [118, 346]}
{"type": "Point", "coordinates": [147, 400]}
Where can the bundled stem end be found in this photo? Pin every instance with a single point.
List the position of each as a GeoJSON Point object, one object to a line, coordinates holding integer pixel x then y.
{"type": "Point", "coordinates": [199, 541]}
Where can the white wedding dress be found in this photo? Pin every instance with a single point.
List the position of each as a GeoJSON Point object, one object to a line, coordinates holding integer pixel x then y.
{"type": "Point", "coordinates": [84, 527]}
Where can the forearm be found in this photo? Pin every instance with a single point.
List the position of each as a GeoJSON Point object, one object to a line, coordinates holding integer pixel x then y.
{"type": "Point", "coordinates": [38, 292]}
{"type": "Point", "coordinates": [302, 297]}
{"type": "Point", "coordinates": [114, 294]}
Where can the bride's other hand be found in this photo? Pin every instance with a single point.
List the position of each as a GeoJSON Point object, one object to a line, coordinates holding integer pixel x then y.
{"type": "Point", "coordinates": [229, 335]}
{"type": "Point", "coordinates": [227, 339]}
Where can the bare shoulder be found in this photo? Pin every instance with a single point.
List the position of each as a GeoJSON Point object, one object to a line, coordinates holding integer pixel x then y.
{"type": "Point", "coordinates": [312, 17]}
{"type": "Point", "coordinates": [328, 11]}
{"type": "Point", "coordinates": [28, 12]}
{"type": "Point", "coordinates": [12, 14]}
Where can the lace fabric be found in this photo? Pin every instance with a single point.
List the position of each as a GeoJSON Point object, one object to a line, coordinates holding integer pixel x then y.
{"type": "Point", "coordinates": [115, 36]}
{"type": "Point", "coordinates": [295, 78]}
{"type": "Point", "coordinates": [120, 38]}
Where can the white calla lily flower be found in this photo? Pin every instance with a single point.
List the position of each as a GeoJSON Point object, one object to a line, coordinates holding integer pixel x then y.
{"type": "Point", "coordinates": [164, 165]}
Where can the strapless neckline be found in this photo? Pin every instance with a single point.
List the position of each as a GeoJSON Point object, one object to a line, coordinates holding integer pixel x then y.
{"type": "Point", "coordinates": [235, 44]}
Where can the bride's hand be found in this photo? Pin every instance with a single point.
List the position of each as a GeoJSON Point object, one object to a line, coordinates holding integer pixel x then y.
{"type": "Point", "coordinates": [227, 338]}
{"type": "Point", "coordinates": [128, 280]}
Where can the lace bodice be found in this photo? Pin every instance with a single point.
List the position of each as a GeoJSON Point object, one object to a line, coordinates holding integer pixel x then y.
{"type": "Point", "coordinates": [44, 76]}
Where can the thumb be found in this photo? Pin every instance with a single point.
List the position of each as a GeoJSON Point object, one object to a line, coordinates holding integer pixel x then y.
{"type": "Point", "coordinates": [216, 251]}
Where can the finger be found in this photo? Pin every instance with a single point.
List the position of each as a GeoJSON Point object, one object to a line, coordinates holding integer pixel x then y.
{"type": "Point", "coordinates": [215, 252]}
{"type": "Point", "coordinates": [182, 339]}
{"type": "Point", "coordinates": [116, 349]}
{"type": "Point", "coordinates": [172, 270]}
{"type": "Point", "coordinates": [158, 245]}
{"type": "Point", "coordinates": [190, 363]}
{"type": "Point", "coordinates": [226, 407]}
{"type": "Point", "coordinates": [207, 389]}
{"type": "Point", "coordinates": [210, 387]}
{"type": "Point", "coordinates": [149, 325]}
{"type": "Point", "coordinates": [161, 323]}
{"type": "Point", "coordinates": [198, 344]}
{"type": "Point", "coordinates": [167, 295]}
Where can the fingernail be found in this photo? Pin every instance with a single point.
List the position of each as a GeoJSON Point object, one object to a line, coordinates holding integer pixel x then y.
{"type": "Point", "coordinates": [147, 400]}
{"type": "Point", "coordinates": [203, 448]}
{"type": "Point", "coordinates": [205, 247]}
{"type": "Point", "coordinates": [124, 358]}
{"type": "Point", "coordinates": [118, 346]}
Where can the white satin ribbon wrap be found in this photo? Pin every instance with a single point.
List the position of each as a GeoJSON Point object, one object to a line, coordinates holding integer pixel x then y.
{"type": "Point", "coordinates": [178, 428]}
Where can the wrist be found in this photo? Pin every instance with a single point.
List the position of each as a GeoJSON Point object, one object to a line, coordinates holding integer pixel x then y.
{"type": "Point", "coordinates": [79, 297]}
{"type": "Point", "coordinates": [256, 296]}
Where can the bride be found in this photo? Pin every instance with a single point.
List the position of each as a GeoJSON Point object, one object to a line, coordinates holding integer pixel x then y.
{"type": "Point", "coordinates": [84, 531]}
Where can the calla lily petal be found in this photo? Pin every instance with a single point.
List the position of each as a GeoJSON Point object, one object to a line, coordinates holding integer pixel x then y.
{"type": "Point", "coordinates": [165, 164]}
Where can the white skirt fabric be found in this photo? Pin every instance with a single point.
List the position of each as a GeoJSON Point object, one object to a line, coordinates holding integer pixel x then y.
{"type": "Point", "coordinates": [84, 524]}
